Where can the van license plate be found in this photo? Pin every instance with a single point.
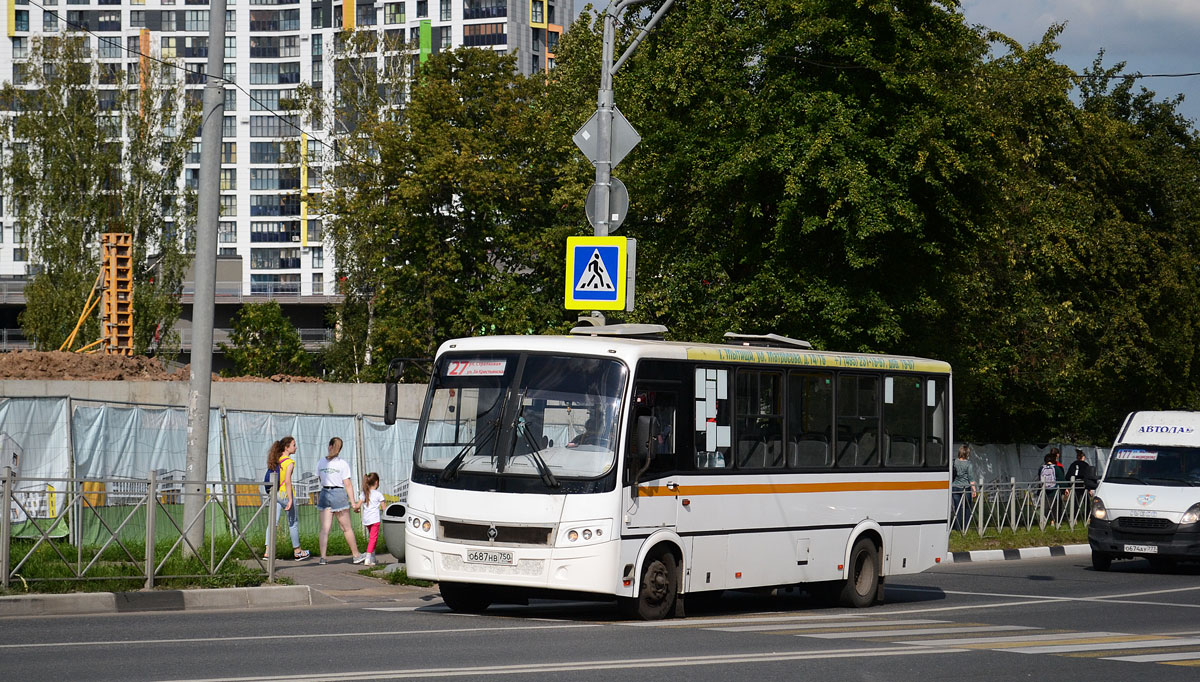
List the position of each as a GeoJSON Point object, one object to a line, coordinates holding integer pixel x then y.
{"type": "Point", "coordinates": [490, 557]}
{"type": "Point", "coordinates": [1141, 549]}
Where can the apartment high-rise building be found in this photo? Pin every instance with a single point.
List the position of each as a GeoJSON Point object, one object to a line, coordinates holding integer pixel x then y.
{"type": "Point", "coordinates": [268, 245]}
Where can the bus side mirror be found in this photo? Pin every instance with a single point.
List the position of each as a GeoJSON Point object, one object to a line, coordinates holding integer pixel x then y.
{"type": "Point", "coordinates": [647, 430]}
{"type": "Point", "coordinates": [394, 371]}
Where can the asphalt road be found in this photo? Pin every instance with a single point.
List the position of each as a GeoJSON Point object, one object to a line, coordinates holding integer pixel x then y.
{"type": "Point", "coordinates": [1032, 619]}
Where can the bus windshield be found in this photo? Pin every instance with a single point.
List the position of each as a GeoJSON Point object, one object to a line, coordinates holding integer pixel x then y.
{"type": "Point", "coordinates": [547, 416]}
{"type": "Point", "coordinates": [1154, 465]}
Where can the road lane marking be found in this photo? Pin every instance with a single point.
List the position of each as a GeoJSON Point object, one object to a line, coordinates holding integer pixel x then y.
{"type": "Point", "coordinates": [1130, 642]}
{"type": "Point", "coordinates": [292, 637]}
{"type": "Point", "coordinates": [914, 631]}
{"type": "Point", "coordinates": [1157, 658]}
{"type": "Point", "coordinates": [1016, 640]}
{"type": "Point", "coordinates": [765, 618]}
{"type": "Point", "coordinates": [831, 626]}
{"type": "Point", "coordinates": [584, 666]}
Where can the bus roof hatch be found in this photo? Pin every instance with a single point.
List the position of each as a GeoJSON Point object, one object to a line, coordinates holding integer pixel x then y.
{"type": "Point", "coordinates": [768, 340]}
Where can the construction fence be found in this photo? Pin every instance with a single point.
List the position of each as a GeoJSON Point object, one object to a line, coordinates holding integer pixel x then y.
{"type": "Point", "coordinates": [108, 450]}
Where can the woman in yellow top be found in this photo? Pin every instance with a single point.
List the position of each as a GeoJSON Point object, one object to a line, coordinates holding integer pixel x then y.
{"type": "Point", "coordinates": [279, 458]}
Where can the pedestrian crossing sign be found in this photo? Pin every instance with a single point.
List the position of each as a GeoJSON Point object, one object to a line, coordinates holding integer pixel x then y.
{"type": "Point", "coordinates": [596, 273]}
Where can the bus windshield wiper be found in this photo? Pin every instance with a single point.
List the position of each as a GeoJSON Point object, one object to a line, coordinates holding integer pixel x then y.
{"type": "Point", "coordinates": [450, 472]}
{"type": "Point", "coordinates": [535, 451]}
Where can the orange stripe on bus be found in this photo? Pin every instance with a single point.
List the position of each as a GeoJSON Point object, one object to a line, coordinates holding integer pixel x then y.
{"type": "Point", "coordinates": [776, 488]}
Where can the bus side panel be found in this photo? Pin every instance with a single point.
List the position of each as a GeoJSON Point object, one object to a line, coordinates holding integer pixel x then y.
{"type": "Point", "coordinates": [708, 565]}
{"type": "Point", "coordinates": [903, 551]}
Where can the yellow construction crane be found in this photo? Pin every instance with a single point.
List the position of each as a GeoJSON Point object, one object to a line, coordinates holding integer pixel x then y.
{"type": "Point", "coordinates": [116, 295]}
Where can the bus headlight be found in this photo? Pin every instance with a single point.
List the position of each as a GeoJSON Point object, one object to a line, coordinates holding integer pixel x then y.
{"type": "Point", "coordinates": [420, 524]}
{"type": "Point", "coordinates": [585, 533]}
{"type": "Point", "coordinates": [1098, 509]}
{"type": "Point", "coordinates": [1192, 515]}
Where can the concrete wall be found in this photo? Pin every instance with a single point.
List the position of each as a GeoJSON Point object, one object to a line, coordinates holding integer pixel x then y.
{"type": "Point", "coordinates": [302, 398]}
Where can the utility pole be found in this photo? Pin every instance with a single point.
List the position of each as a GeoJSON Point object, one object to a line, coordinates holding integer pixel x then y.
{"type": "Point", "coordinates": [205, 269]}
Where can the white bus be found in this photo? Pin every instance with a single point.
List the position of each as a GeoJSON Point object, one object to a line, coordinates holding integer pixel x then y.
{"type": "Point", "coordinates": [611, 462]}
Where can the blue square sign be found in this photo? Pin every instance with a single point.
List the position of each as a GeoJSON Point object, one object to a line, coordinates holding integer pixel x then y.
{"type": "Point", "coordinates": [596, 273]}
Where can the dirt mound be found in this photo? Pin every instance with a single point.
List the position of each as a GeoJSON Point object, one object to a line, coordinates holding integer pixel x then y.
{"type": "Point", "coordinates": [63, 366]}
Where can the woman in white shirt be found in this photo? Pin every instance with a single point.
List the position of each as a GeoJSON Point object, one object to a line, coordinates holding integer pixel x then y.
{"type": "Point", "coordinates": [336, 492]}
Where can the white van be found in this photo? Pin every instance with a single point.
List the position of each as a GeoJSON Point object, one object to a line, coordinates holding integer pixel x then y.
{"type": "Point", "coordinates": [1148, 504]}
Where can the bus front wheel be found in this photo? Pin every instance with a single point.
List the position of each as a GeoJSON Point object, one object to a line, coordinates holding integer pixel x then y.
{"type": "Point", "coordinates": [862, 584]}
{"type": "Point", "coordinates": [465, 598]}
{"type": "Point", "coordinates": [657, 593]}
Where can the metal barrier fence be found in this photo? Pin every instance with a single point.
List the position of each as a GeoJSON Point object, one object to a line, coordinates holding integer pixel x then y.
{"type": "Point", "coordinates": [1020, 506]}
{"type": "Point", "coordinates": [83, 524]}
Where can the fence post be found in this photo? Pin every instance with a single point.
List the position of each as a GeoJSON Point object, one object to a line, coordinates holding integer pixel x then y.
{"type": "Point", "coordinates": [5, 525]}
{"type": "Point", "coordinates": [151, 498]}
{"type": "Point", "coordinates": [979, 501]}
{"type": "Point", "coordinates": [1041, 505]}
{"type": "Point", "coordinates": [1071, 502]}
{"type": "Point", "coordinates": [273, 516]}
{"type": "Point", "coordinates": [1012, 503]}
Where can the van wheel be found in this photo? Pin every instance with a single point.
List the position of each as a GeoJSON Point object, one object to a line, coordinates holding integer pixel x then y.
{"type": "Point", "coordinates": [862, 584]}
{"type": "Point", "coordinates": [1101, 561]}
{"type": "Point", "coordinates": [657, 592]}
{"type": "Point", "coordinates": [465, 598]}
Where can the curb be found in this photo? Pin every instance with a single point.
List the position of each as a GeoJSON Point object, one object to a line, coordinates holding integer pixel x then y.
{"type": "Point", "coordinates": [161, 600]}
{"type": "Point", "coordinates": [1017, 554]}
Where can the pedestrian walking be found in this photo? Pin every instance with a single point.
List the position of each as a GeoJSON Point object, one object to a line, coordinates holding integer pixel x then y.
{"type": "Point", "coordinates": [371, 502]}
{"type": "Point", "coordinates": [964, 480]}
{"type": "Point", "coordinates": [334, 500]}
{"type": "Point", "coordinates": [1050, 475]}
{"type": "Point", "coordinates": [281, 460]}
{"type": "Point", "coordinates": [1080, 474]}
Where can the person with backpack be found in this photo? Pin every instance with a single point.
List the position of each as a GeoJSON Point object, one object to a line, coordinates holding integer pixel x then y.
{"type": "Point", "coordinates": [280, 460]}
{"type": "Point", "coordinates": [1050, 474]}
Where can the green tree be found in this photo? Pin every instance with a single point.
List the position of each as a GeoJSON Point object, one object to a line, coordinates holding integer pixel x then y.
{"type": "Point", "coordinates": [264, 342]}
{"type": "Point", "coordinates": [440, 214]}
{"type": "Point", "coordinates": [90, 152]}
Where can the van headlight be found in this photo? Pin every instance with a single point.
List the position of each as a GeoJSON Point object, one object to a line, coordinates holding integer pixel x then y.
{"type": "Point", "coordinates": [1098, 509]}
{"type": "Point", "coordinates": [1192, 515]}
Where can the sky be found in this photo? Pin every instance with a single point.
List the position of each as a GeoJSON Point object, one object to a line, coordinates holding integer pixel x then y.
{"type": "Point", "coordinates": [1150, 36]}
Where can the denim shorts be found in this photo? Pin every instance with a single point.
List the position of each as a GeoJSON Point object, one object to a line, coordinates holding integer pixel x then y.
{"type": "Point", "coordinates": [333, 499]}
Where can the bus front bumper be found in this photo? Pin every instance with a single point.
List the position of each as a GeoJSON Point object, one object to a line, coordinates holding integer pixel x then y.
{"type": "Point", "coordinates": [591, 568]}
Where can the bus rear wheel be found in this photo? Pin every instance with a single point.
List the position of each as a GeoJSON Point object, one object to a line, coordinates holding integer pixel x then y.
{"type": "Point", "coordinates": [862, 584]}
{"type": "Point", "coordinates": [465, 598]}
{"type": "Point", "coordinates": [658, 589]}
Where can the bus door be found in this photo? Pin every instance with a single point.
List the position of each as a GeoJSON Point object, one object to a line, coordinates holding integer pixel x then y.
{"type": "Point", "coordinates": [651, 474]}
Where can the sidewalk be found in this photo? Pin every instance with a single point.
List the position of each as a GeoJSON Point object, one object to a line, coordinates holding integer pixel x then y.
{"type": "Point", "coordinates": [336, 582]}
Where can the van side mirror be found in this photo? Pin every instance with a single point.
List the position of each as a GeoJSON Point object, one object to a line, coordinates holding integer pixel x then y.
{"type": "Point", "coordinates": [394, 371]}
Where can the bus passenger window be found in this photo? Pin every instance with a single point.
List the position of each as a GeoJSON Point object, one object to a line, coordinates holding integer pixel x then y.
{"type": "Point", "coordinates": [936, 422]}
{"type": "Point", "coordinates": [858, 421]}
{"type": "Point", "coordinates": [759, 420]}
{"type": "Point", "coordinates": [713, 419]}
{"type": "Point", "coordinates": [660, 405]}
{"type": "Point", "coordinates": [902, 421]}
{"type": "Point", "coordinates": [809, 420]}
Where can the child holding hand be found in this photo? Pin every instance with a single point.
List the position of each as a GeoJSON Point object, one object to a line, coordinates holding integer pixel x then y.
{"type": "Point", "coordinates": [371, 501]}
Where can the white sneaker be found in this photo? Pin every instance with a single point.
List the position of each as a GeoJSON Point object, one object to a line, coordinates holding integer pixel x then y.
{"type": "Point", "coordinates": [370, 560]}
{"type": "Point", "coordinates": [360, 558]}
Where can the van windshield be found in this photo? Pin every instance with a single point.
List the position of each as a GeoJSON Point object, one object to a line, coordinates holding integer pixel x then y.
{"type": "Point", "coordinates": [1153, 465]}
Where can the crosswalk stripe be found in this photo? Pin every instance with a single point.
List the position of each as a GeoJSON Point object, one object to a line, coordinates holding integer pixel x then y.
{"type": "Point", "coordinates": [830, 626]}
{"type": "Point", "coordinates": [1126, 642]}
{"type": "Point", "coordinates": [1193, 663]}
{"type": "Point", "coordinates": [1015, 640]}
{"type": "Point", "coordinates": [701, 622]}
{"type": "Point", "coordinates": [1157, 658]}
{"type": "Point", "coordinates": [914, 631]}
